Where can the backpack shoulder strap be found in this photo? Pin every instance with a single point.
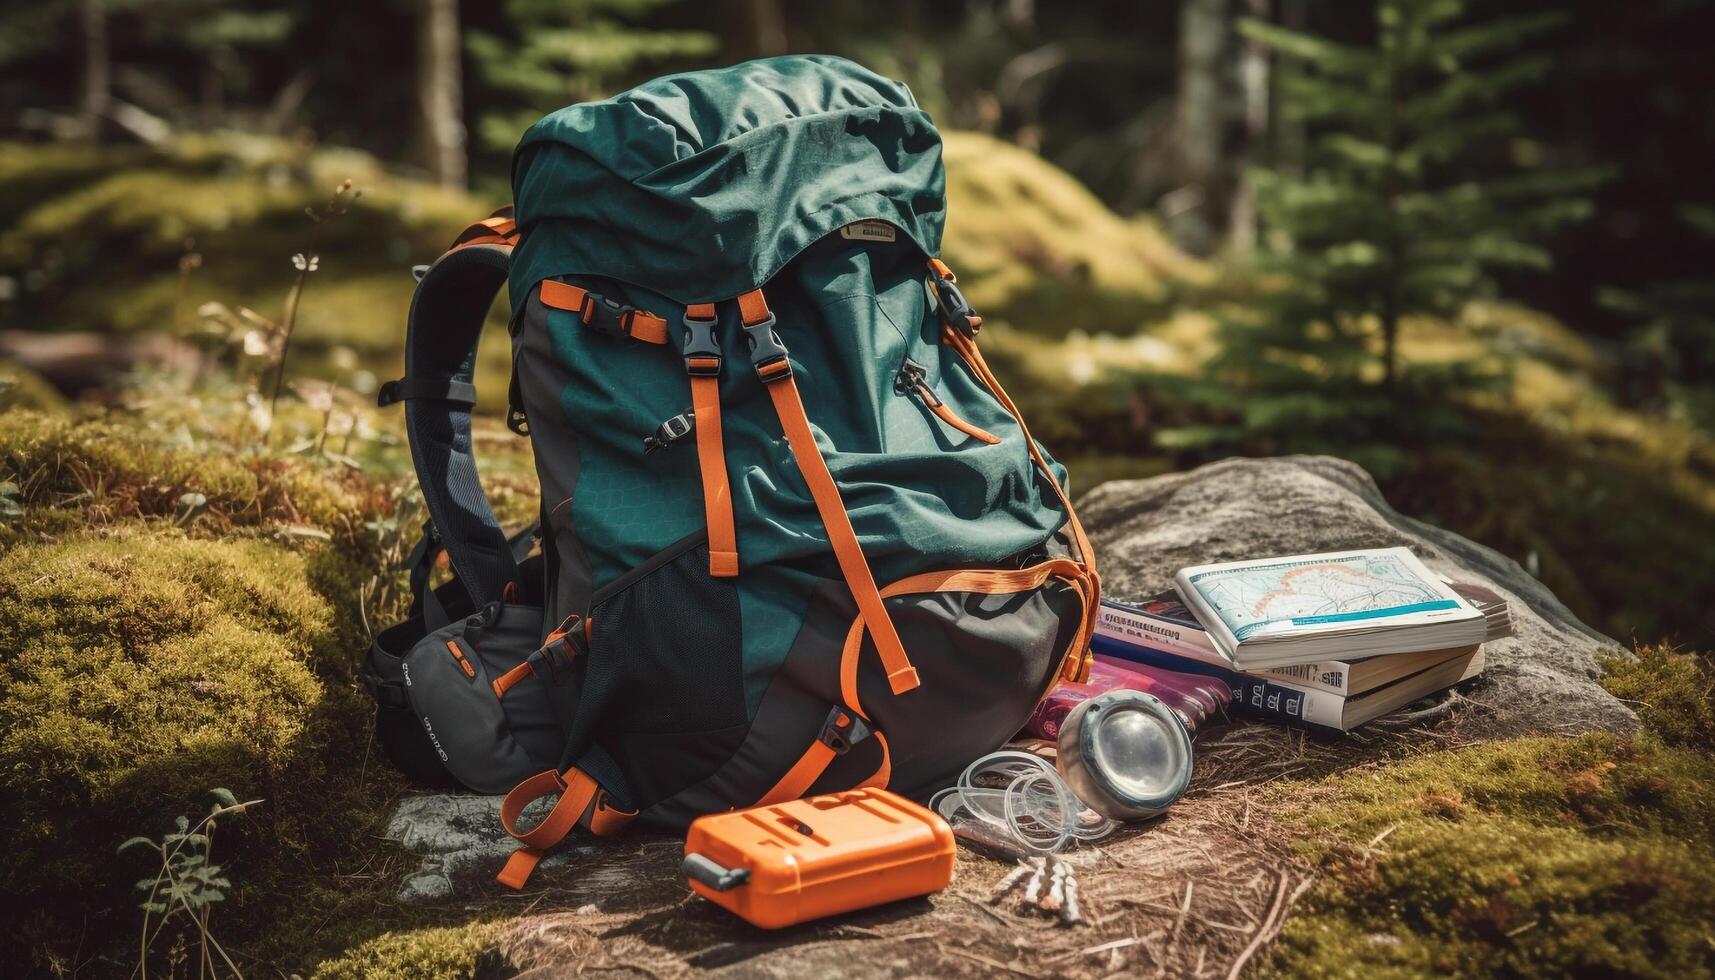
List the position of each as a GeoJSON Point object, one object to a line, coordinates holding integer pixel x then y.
{"type": "Point", "coordinates": [447, 315]}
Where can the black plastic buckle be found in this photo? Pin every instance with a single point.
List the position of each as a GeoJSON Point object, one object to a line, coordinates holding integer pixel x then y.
{"type": "Point", "coordinates": [956, 311]}
{"type": "Point", "coordinates": [561, 651]}
{"type": "Point", "coordinates": [669, 432]}
{"type": "Point", "coordinates": [600, 313]}
{"type": "Point", "coordinates": [701, 350]}
{"type": "Point", "coordinates": [766, 349]}
{"type": "Point", "coordinates": [843, 730]}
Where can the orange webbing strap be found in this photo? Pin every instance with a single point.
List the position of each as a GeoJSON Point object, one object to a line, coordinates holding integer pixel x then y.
{"type": "Point", "coordinates": [632, 322]}
{"type": "Point", "coordinates": [946, 415]}
{"type": "Point", "coordinates": [497, 229]}
{"type": "Point", "coordinates": [1091, 584]}
{"type": "Point", "coordinates": [703, 365]}
{"type": "Point", "coordinates": [1003, 581]}
{"type": "Point", "coordinates": [582, 802]}
{"type": "Point", "coordinates": [777, 374]}
{"type": "Point", "coordinates": [507, 681]}
{"type": "Point", "coordinates": [813, 763]}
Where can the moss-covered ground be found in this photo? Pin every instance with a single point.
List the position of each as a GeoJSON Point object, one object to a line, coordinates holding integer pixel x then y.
{"type": "Point", "coordinates": [1591, 856]}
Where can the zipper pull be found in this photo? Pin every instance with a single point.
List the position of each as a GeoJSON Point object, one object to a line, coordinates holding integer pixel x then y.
{"type": "Point", "coordinates": [911, 380]}
{"type": "Point", "coordinates": [669, 432]}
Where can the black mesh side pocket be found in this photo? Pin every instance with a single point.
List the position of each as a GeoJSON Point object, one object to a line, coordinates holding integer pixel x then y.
{"type": "Point", "coordinates": [664, 685]}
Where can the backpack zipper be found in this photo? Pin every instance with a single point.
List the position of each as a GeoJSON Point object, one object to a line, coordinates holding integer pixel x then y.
{"type": "Point", "coordinates": [911, 381]}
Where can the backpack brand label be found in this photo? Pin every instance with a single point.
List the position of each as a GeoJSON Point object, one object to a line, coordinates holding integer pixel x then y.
{"type": "Point", "coordinates": [869, 231]}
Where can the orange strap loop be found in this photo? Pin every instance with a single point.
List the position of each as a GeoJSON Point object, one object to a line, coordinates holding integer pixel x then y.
{"type": "Point", "coordinates": [582, 802]}
{"type": "Point", "coordinates": [603, 314]}
{"type": "Point", "coordinates": [789, 406]}
{"type": "Point", "coordinates": [948, 416]}
{"type": "Point", "coordinates": [703, 365]}
{"type": "Point", "coordinates": [507, 681]}
{"type": "Point", "coordinates": [813, 763]}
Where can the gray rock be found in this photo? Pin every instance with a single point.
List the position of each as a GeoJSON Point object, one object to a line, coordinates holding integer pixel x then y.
{"type": "Point", "coordinates": [1542, 679]}
{"type": "Point", "coordinates": [453, 836]}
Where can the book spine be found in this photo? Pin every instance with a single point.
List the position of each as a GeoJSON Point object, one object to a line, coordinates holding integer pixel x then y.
{"type": "Point", "coordinates": [1267, 699]}
{"type": "Point", "coordinates": [1256, 696]}
{"type": "Point", "coordinates": [1332, 676]}
{"type": "Point", "coordinates": [1134, 626]}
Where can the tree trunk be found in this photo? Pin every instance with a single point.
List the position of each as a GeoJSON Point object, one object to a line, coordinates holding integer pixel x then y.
{"type": "Point", "coordinates": [1253, 97]}
{"type": "Point", "coordinates": [440, 91]}
{"type": "Point", "coordinates": [763, 26]}
{"type": "Point", "coordinates": [95, 85]}
{"type": "Point", "coordinates": [1202, 43]}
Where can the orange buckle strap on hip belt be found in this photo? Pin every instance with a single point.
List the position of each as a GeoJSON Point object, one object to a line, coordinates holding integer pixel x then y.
{"type": "Point", "coordinates": [582, 802]}
{"type": "Point", "coordinates": [772, 366]}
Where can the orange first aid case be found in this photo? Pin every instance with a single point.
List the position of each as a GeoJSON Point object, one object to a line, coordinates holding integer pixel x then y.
{"type": "Point", "coordinates": [786, 863]}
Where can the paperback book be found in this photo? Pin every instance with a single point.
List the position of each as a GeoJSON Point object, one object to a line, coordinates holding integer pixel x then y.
{"type": "Point", "coordinates": [1305, 608]}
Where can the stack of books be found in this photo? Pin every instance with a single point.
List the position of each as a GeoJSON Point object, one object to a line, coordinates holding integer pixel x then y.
{"type": "Point", "coordinates": [1332, 641]}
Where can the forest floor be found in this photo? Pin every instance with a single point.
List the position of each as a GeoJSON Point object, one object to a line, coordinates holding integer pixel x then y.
{"type": "Point", "coordinates": [187, 581]}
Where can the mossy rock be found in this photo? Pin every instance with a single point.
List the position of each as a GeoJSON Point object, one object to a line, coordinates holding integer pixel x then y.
{"type": "Point", "coordinates": [22, 390]}
{"type": "Point", "coordinates": [102, 248]}
{"type": "Point", "coordinates": [1034, 247]}
{"type": "Point", "coordinates": [142, 669]}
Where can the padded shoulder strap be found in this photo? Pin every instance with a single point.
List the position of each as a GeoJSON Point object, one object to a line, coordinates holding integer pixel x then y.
{"type": "Point", "coordinates": [447, 315]}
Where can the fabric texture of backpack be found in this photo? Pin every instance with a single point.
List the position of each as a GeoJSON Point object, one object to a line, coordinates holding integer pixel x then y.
{"type": "Point", "coordinates": [794, 537]}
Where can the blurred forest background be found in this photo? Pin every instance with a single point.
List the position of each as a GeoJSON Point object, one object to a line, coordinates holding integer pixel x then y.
{"type": "Point", "coordinates": [1468, 247]}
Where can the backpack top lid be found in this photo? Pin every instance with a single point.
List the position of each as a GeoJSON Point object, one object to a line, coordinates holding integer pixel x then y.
{"type": "Point", "coordinates": [700, 186]}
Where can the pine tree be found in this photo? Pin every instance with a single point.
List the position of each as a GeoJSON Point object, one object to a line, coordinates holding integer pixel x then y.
{"type": "Point", "coordinates": [564, 51]}
{"type": "Point", "coordinates": [1405, 205]}
{"type": "Point", "coordinates": [1673, 347]}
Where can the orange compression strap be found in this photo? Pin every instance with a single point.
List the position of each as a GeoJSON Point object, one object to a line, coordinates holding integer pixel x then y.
{"type": "Point", "coordinates": [703, 365]}
{"type": "Point", "coordinates": [813, 763]}
{"type": "Point", "coordinates": [1091, 583]}
{"type": "Point", "coordinates": [581, 801]}
{"type": "Point", "coordinates": [983, 581]}
{"type": "Point", "coordinates": [600, 313]}
{"type": "Point", "coordinates": [789, 406]}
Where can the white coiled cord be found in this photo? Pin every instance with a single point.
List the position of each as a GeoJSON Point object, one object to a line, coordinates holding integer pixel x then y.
{"type": "Point", "coordinates": [1025, 798]}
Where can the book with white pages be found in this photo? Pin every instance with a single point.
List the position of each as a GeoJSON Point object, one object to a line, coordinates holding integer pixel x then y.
{"type": "Point", "coordinates": [1305, 608]}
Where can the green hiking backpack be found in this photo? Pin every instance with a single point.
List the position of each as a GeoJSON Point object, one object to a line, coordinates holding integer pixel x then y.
{"type": "Point", "coordinates": [794, 537]}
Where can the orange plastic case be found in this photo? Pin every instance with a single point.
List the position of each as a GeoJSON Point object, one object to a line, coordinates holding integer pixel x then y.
{"type": "Point", "coordinates": [792, 862]}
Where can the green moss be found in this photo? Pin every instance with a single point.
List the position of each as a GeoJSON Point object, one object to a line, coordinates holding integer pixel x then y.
{"type": "Point", "coordinates": [113, 470]}
{"type": "Point", "coordinates": [430, 954]}
{"type": "Point", "coordinates": [1033, 246]}
{"type": "Point", "coordinates": [1535, 857]}
{"type": "Point", "coordinates": [142, 668]}
{"type": "Point", "coordinates": [1672, 692]}
{"type": "Point", "coordinates": [24, 390]}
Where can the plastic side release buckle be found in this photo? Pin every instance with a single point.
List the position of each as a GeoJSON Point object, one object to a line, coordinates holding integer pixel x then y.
{"type": "Point", "coordinates": [767, 354]}
{"type": "Point", "coordinates": [843, 730]}
{"type": "Point", "coordinates": [600, 313]}
{"type": "Point", "coordinates": [559, 652]}
{"type": "Point", "coordinates": [701, 350]}
{"type": "Point", "coordinates": [956, 311]}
